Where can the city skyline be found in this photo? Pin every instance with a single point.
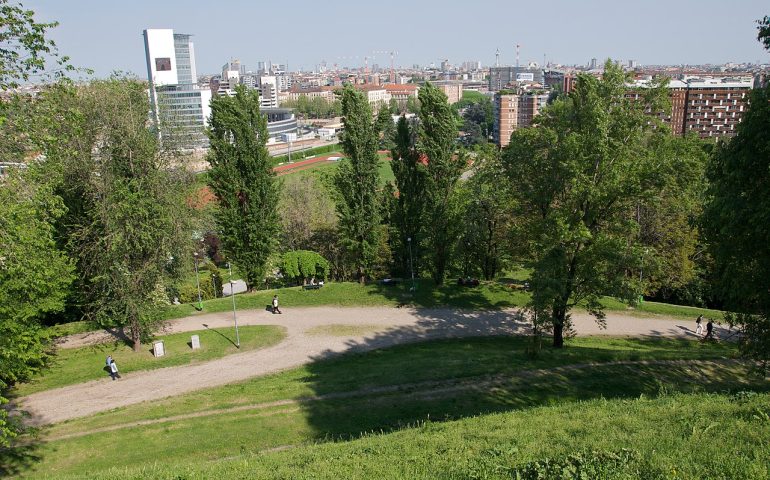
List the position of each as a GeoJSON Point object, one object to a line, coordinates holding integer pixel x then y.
{"type": "Point", "coordinates": [665, 33]}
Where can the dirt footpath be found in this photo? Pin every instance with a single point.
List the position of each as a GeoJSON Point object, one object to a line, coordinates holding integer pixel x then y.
{"type": "Point", "coordinates": [311, 335]}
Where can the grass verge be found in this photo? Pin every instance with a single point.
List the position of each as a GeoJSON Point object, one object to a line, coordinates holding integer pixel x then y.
{"type": "Point", "coordinates": [76, 365]}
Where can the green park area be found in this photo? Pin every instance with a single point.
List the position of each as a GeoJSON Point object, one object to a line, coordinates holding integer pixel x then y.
{"type": "Point", "coordinates": [81, 364]}
{"type": "Point", "coordinates": [460, 407]}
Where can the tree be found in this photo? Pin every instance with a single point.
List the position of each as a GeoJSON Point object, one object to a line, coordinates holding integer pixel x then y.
{"type": "Point", "coordinates": [24, 47]}
{"type": "Point", "coordinates": [437, 135]}
{"type": "Point", "coordinates": [736, 224]}
{"type": "Point", "coordinates": [242, 178]}
{"type": "Point", "coordinates": [35, 277]}
{"type": "Point", "coordinates": [356, 183]}
{"type": "Point", "coordinates": [577, 175]}
{"type": "Point", "coordinates": [407, 213]}
{"type": "Point", "coordinates": [386, 128]}
{"type": "Point", "coordinates": [487, 218]}
{"type": "Point", "coordinates": [303, 266]}
{"type": "Point", "coordinates": [763, 34]}
{"type": "Point", "coordinates": [305, 207]}
{"type": "Point", "coordinates": [127, 222]}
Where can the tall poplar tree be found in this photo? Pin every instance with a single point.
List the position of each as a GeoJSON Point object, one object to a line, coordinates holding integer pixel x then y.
{"type": "Point", "coordinates": [242, 178]}
{"type": "Point", "coordinates": [356, 182]}
{"type": "Point", "coordinates": [436, 140]}
{"type": "Point", "coordinates": [408, 211]}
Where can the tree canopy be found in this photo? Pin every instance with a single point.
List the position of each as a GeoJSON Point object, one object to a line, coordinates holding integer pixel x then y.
{"type": "Point", "coordinates": [242, 178]}
{"type": "Point", "coordinates": [577, 175]}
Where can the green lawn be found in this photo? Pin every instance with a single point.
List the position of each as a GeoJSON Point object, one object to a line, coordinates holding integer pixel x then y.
{"type": "Point", "coordinates": [328, 168]}
{"type": "Point", "coordinates": [683, 436]}
{"type": "Point", "coordinates": [489, 295]}
{"type": "Point", "coordinates": [439, 380]}
{"type": "Point", "coordinates": [78, 365]}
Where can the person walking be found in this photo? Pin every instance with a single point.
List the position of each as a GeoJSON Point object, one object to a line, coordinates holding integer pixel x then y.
{"type": "Point", "coordinates": [699, 325]}
{"type": "Point", "coordinates": [275, 304]}
{"type": "Point", "coordinates": [114, 370]}
{"type": "Point", "coordinates": [709, 330]}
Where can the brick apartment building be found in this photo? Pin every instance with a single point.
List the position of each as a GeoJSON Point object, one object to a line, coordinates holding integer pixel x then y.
{"type": "Point", "coordinates": [514, 111]}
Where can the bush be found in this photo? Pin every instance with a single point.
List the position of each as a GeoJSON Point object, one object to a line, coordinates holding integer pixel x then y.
{"type": "Point", "coordinates": [303, 265]}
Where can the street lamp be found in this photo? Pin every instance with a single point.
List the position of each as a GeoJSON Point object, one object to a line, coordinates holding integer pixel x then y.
{"type": "Point", "coordinates": [232, 294]}
{"type": "Point", "coordinates": [198, 282]}
{"type": "Point", "coordinates": [411, 264]}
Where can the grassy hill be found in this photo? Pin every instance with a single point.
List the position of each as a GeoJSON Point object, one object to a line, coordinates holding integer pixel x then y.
{"type": "Point", "coordinates": [463, 408]}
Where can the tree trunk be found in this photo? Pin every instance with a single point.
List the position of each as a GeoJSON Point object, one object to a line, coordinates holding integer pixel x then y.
{"type": "Point", "coordinates": [136, 339]}
{"type": "Point", "coordinates": [558, 335]}
{"type": "Point", "coordinates": [558, 317]}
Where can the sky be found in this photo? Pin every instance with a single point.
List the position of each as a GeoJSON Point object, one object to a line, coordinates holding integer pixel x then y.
{"type": "Point", "coordinates": [106, 35]}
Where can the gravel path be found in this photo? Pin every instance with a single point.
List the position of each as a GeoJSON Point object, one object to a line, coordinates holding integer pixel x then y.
{"type": "Point", "coordinates": [306, 341]}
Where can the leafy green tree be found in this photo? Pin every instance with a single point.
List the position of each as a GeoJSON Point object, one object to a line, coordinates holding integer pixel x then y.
{"type": "Point", "coordinates": [674, 262]}
{"type": "Point", "coordinates": [412, 105]}
{"type": "Point", "coordinates": [736, 225]}
{"type": "Point", "coordinates": [436, 140]}
{"type": "Point", "coordinates": [386, 128]}
{"type": "Point", "coordinates": [303, 266]}
{"type": "Point", "coordinates": [35, 277]}
{"type": "Point", "coordinates": [763, 34]}
{"type": "Point", "coordinates": [356, 183]}
{"type": "Point", "coordinates": [131, 224]}
{"type": "Point", "coordinates": [407, 214]}
{"type": "Point", "coordinates": [393, 107]}
{"type": "Point", "coordinates": [576, 176]}
{"type": "Point", "coordinates": [24, 47]}
{"type": "Point", "coordinates": [305, 207]}
{"type": "Point", "coordinates": [487, 218]}
{"type": "Point", "coordinates": [242, 178]}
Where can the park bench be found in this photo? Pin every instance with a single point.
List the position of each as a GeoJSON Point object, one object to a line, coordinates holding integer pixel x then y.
{"type": "Point", "coordinates": [310, 286]}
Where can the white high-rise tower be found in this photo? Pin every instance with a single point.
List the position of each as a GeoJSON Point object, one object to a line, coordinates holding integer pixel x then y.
{"type": "Point", "coordinates": [180, 108]}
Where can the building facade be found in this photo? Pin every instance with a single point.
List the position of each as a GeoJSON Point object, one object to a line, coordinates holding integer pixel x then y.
{"type": "Point", "coordinates": [514, 111]}
{"type": "Point", "coordinates": [180, 108]}
{"type": "Point", "coordinates": [501, 77]}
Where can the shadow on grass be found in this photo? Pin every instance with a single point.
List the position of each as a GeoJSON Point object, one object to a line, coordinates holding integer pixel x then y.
{"type": "Point", "coordinates": [487, 295]}
{"type": "Point", "coordinates": [485, 363]}
{"type": "Point", "coordinates": [23, 450]}
{"type": "Point", "coordinates": [220, 334]}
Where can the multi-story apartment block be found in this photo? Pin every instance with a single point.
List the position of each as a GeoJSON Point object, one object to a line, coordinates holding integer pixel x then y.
{"type": "Point", "coordinates": [452, 89]}
{"type": "Point", "coordinates": [514, 111]}
{"type": "Point", "coordinates": [179, 107]}
{"type": "Point", "coordinates": [710, 107]}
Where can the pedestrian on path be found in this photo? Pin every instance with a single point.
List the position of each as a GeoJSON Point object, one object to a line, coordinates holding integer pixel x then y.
{"type": "Point", "coordinates": [709, 330]}
{"type": "Point", "coordinates": [699, 323]}
{"type": "Point", "coordinates": [275, 304]}
{"type": "Point", "coordinates": [114, 370]}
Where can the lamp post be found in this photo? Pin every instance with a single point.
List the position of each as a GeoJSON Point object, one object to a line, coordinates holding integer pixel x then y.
{"type": "Point", "coordinates": [198, 282]}
{"type": "Point", "coordinates": [232, 294]}
{"type": "Point", "coordinates": [411, 264]}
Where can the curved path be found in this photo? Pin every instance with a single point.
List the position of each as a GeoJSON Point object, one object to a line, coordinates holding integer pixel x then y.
{"type": "Point", "coordinates": [310, 337]}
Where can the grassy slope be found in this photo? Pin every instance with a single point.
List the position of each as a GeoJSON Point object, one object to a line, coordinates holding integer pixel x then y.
{"type": "Point", "coordinates": [673, 437]}
{"type": "Point", "coordinates": [214, 436]}
{"type": "Point", "coordinates": [78, 365]}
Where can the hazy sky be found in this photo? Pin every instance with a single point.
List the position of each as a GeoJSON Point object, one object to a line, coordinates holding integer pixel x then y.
{"type": "Point", "coordinates": [105, 35]}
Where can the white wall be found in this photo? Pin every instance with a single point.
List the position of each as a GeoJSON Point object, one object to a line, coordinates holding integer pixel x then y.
{"type": "Point", "coordinates": [159, 44]}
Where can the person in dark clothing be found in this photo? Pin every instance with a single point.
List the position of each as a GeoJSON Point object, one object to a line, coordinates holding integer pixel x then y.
{"type": "Point", "coordinates": [709, 330]}
{"type": "Point", "coordinates": [275, 304]}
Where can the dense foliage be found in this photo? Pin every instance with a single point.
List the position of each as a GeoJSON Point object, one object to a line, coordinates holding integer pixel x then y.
{"type": "Point", "coordinates": [356, 184]}
{"type": "Point", "coordinates": [242, 178]}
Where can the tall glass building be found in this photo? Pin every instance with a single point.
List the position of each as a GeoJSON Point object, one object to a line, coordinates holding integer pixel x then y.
{"type": "Point", "coordinates": [180, 108]}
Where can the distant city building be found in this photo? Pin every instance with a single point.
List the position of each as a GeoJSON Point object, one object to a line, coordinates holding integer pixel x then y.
{"type": "Point", "coordinates": [514, 111]}
{"type": "Point", "coordinates": [710, 107]}
{"type": "Point", "coordinates": [502, 77]}
{"type": "Point", "coordinates": [452, 89]}
{"type": "Point", "coordinates": [268, 92]}
{"type": "Point", "coordinates": [180, 108]}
